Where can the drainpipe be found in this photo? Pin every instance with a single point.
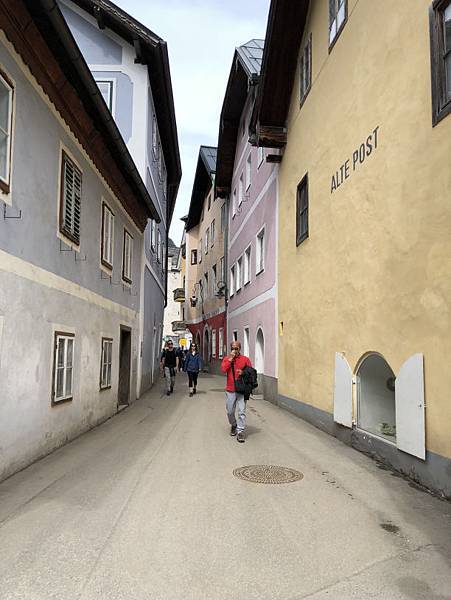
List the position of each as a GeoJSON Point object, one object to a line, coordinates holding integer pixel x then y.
{"type": "Point", "coordinates": [226, 268]}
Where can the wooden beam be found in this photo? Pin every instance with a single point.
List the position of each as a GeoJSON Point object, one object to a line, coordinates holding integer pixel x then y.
{"type": "Point", "coordinates": [98, 14]}
{"type": "Point", "coordinates": [274, 158]}
{"type": "Point", "coordinates": [272, 137]}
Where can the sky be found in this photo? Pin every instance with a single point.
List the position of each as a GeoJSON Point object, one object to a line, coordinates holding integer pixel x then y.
{"type": "Point", "coordinates": [201, 37]}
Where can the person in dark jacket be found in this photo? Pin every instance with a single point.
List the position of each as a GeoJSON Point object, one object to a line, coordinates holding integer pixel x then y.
{"type": "Point", "coordinates": [193, 364]}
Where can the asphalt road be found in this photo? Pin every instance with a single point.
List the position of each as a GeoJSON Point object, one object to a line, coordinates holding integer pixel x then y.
{"type": "Point", "coordinates": [147, 507]}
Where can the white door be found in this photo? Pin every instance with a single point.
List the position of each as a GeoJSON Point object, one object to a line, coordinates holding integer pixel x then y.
{"type": "Point", "coordinates": [409, 398]}
{"type": "Point", "coordinates": [342, 391]}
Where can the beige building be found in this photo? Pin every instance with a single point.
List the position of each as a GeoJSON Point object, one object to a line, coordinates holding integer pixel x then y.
{"type": "Point", "coordinates": [364, 248]}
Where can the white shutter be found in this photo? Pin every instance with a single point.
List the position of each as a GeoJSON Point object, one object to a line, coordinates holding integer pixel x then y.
{"type": "Point", "coordinates": [342, 391]}
{"type": "Point", "coordinates": [409, 398]}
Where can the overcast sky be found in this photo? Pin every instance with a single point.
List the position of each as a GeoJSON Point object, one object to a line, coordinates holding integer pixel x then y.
{"type": "Point", "coordinates": [201, 37]}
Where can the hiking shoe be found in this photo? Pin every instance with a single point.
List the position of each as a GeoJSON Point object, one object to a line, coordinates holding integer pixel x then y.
{"type": "Point", "coordinates": [233, 430]}
{"type": "Point", "coordinates": [240, 437]}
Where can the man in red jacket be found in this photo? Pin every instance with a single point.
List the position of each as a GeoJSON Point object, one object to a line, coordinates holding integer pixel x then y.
{"type": "Point", "coordinates": [233, 365]}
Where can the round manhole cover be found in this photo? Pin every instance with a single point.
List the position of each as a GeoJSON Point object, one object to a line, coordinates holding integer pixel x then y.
{"type": "Point", "coordinates": [267, 474]}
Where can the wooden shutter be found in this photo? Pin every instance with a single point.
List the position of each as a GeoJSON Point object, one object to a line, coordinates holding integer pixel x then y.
{"type": "Point", "coordinates": [71, 199]}
{"type": "Point", "coordinates": [342, 391]}
{"type": "Point", "coordinates": [409, 398]}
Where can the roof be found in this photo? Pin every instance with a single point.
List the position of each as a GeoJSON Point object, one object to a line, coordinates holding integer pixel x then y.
{"type": "Point", "coordinates": [284, 32]}
{"type": "Point", "coordinates": [151, 50]}
{"type": "Point", "coordinates": [203, 182]}
{"type": "Point", "coordinates": [40, 34]}
{"type": "Point", "coordinates": [243, 77]}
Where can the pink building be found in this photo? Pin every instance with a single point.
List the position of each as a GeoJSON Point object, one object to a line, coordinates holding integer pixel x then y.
{"type": "Point", "coordinates": [247, 177]}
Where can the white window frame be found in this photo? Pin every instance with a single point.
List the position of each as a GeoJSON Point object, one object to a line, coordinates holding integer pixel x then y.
{"type": "Point", "coordinates": [222, 269]}
{"type": "Point", "coordinates": [260, 156]}
{"type": "Point", "coordinates": [200, 251]}
{"type": "Point", "coordinates": [107, 236]}
{"type": "Point", "coordinates": [241, 190]}
{"type": "Point", "coordinates": [212, 233]}
{"type": "Point", "coordinates": [207, 239]}
{"type": "Point", "coordinates": [153, 231]}
{"type": "Point", "coordinates": [127, 257]}
{"type": "Point", "coordinates": [221, 343]}
{"type": "Point", "coordinates": [6, 181]}
{"type": "Point", "coordinates": [247, 265]}
{"type": "Point", "coordinates": [213, 343]}
{"type": "Point", "coordinates": [111, 81]}
{"type": "Point", "coordinates": [246, 341]}
{"type": "Point", "coordinates": [63, 337]}
{"type": "Point", "coordinates": [194, 256]}
{"type": "Point", "coordinates": [106, 359]}
{"type": "Point", "coordinates": [260, 253]}
{"type": "Point", "coordinates": [155, 137]}
{"type": "Point", "coordinates": [158, 246]}
{"type": "Point", "coordinates": [234, 206]}
{"type": "Point", "coordinates": [249, 171]}
{"type": "Point", "coordinates": [232, 281]}
{"type": "Point", "coordinates": [239, 274]}
{"type": "Point", "coordinates": [163, 257]}
{"type": "Point", "coordinates": [223, 217]}
{"type": "Point", "coordinates": [336, 25]}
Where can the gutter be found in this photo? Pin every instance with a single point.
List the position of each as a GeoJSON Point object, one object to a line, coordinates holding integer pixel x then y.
{"type": "Point", "coordinates": [57, 20]}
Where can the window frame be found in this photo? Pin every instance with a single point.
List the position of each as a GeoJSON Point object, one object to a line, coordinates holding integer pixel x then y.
{"type": "Point", "coordinates": [300, 234]}
{"type": "Point", "coordinates": [248, 171]}
{"type": "Point", "coordinates": [103, 259]}
{"type": "Point", "coordinates": [223, 217]}
{"type": "Point", "coordinates": [106, 386]}
{"type": "Point", "coordinates": [303, 93]}
{"type": "Point", "coordinates": [261, 234]}
{"type": "Point", "coordinates": [213, 343]}
{"type": "Point", "coordinates": [240, 190]}
{"type": "Point", "coordinates": [153, 231]}
{"type": "Point", "coordinates": [111, 81]}
{"type": "Point", "coordinates": [232, 281]}
{"type": "Point", "coordinates": [441, 105]}
{"type": "Point", "coordinates": [331, 43]}
{"type": "Point", "coordinates": [212, 233]}
{"type": "Point", "coordinates": [239, 274]}
{"type": "Point", "coordinates": [221, 342]}
{"type": "Point", "coordinates": [65, 157]}
{"type": "Point", "coordinates": [125, 277]}
{"type": "Point", "coordinates": [194, 255]}
{"type": "Point", "coordinates": [260, 156]}
{"type": "Point", "coordinates": [234, 203]}
{"type": "Point", "coordinates": [207, 240]}
{"type": "Point", "coordinates": [199, 257]}
{"type": "Point", "coordinates": [154, 138]}
{"type": "Point", "coordinates": [158, 246]}
{"type": "Point", "coordinates": [5, 183]}
{"type": "Point", "coordinates": [247, 257]}
{"type": "Point", "coordinates": [66, 336]}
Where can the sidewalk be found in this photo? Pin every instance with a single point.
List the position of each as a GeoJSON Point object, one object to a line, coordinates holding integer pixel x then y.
{"type": "Point", "coordinates": [146, 507]}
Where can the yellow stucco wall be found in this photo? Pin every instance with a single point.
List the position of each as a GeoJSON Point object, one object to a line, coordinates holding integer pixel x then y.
{"type": "Point", "coordinates": [375, 272]}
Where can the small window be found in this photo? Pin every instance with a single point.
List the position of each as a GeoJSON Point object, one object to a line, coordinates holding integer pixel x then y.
{"type": "Point", "coordinates": [105, 363]}
{"type": "Point", "coordinates": [202, 214]}
{"type": "Point", "coordinates": [160, 162]}
{"type": "Point", "coordinates": [153, 234]}
{"type": "Point", "coordinates": [214, 279]}
{"type": "Point", "coordinates": [260, 252]}
{"type": "Point", "coordinates": [194, 257]}
{"type": "Point", "coordinates": [221, 343]}
{"type": "Point", "coordinates": [106, 88]}
{"type": "Point", "coordinates": [159, 246]}
{"type": "Point", "coordinates": [163, 257]}
{"type": "Point", "coordinates": [247, 266]}
{"type": "Point", "coordinates": [209, 201]}
{"type": "Point", "coordinates": [305, 74]}
{"type": "Point", "coordinates": [235, 336]}
{"type": "Point", "coordinates": [70, 201]}
{"type": "Point", "coordinates": [213, 343]}
{"type": "Point", "coordinates": [302, 211]}
{"type": "Point", "coordinates": [213, 232]}
{"type": "Point", "coordinates": [6, 119]}
{"type": "Point", "coordinates": [127, 257]}
{"type": "Point", "coordinates": [223, 217]}
{"type": "Point", "coordinates": [246, 341]}
{"type": "Point", "coordinates": [221, 269]}
{"type": "Point", "coordinates": [240, 190]}
{"type": "Point", "coordinates": [107, 236]}
{"type": "Point", "coordinates": [337, 19]}
{"type": "Point", "coordinates": [234, 206]}
{"type": "Point", "coordinates": [261, 155]}
{"type": "Point", "coordinates": [239, 273]}
{"type": "Point", "coordinates": [232, 281]}
{"type": "Point", "coordinates": [207, 240]}
{"type": "Point", "coordinates": [206, 290]}
{"type": "Point", "coordinates": [440, 27]}
{"type": "Point", "coordinates": [63, 362]}
{"type": "Point", "coordinates": [154, 138]}
{"type": "Point", "coordinates": [200, 250]}
{"type": "Point", "coordinates": [248, 172]}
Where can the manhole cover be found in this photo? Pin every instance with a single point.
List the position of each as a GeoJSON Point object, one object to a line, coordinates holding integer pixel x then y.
{"type": "Point", "coordinates": [267, 474]}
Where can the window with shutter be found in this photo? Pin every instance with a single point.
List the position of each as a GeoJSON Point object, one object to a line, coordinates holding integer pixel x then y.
{"type": "Point", "coordinates": [107, 236]}
{"type": "Point", "coordinates": [63, 361]}
{"type": "Point", "coordinates": [305, 75]}
{"type": "Point", "coordinates": [105, 363]}
{"type": "Point", "coordinates": [127, 257]}
{"type": "Point", "coordinates": [440, 28]}
{"type": "Point", "coordinates": [70, 205]}
{"type": "Point", "coordinates": [302, 211]}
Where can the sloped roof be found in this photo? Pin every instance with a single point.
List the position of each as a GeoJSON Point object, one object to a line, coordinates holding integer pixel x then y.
{"type": "Point", "coordinates": [251, 55]}
{"type": "Point", "coordinates": [203, 181]}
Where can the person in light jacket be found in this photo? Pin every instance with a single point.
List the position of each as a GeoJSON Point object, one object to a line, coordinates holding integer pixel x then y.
{"type": "Point", "coordinates": [193, 364]}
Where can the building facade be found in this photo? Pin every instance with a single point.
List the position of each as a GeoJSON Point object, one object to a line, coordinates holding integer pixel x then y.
{"type": "Point", "coordinates": [129, 62]}
{"type": "Point", "coordinates": [205, 268]}
{"type": "Point", "coordinates": [364, 221]}
{"type": "Point", "coordinates": [247, 177]}
{"type": "Point", "coordinates": [171, 328]}
{"type": "Point", "coordinates": [71, 240]}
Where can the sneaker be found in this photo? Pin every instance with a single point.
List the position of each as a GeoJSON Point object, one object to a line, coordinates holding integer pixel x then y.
{"type": "Point", "coordinates": [168, 393]}
{"type": "Point", "coordinates": [233, 430]}
{"type": "Point", "coordinates": [194, 391]}
{"type": "Point", "coordinates": [172, 388]}
{"type": "Point", "coordinates": [191, 394]}
{"type": "Point", "coordinates": [240, 437]}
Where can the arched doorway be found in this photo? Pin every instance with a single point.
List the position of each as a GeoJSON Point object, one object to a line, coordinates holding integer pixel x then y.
{"type": "Point", "coordinates": [206, 349]}
{"type": "Point", "coordinates": [260, 352]}
{"type": "Point", "coordinates": [376, 409]}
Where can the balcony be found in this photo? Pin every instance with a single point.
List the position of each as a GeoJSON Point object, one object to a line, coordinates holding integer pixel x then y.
{"type": "Point", "coordinates": [179, 295]}
{"type": "Point", "coordinates": [178, 326]}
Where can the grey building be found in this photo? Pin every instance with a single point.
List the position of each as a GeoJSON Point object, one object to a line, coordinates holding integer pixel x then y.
{"type": "Point", "coordinates": [74, 243]}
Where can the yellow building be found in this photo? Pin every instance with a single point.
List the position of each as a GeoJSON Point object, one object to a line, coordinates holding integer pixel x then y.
{"type": "Point", "coordinates": [364, 253]}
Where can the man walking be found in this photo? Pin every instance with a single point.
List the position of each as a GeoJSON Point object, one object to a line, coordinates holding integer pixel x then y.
{"type": "Point", "coordinates": [232, 366]}
{"type": "Point", "coordinates": [169, 364]}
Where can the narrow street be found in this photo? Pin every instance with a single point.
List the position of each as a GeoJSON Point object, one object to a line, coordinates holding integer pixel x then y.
{"type": "Point", "coordinates": [146, 507]}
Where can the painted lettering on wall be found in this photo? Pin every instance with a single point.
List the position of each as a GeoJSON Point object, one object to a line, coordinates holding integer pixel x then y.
{"type": "Point", "coordinates": [360, 154]}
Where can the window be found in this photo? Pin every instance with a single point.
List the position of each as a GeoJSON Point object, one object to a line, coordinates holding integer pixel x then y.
{"type": "Point", "coordinates": [63, 362]}
{"type": "Point", "coordinates": [235, 336]}
{"type": "Point", "coordinates": [221, 269]}
{"type": "Point", "coordinates": [200, 250]}
{"type": "Point", "coordinates": [6, 115]}
{"type": "Point", "coordinates": [213, 280]}
{"type": "Point", "coordinates": [223, 217]}
{"type": "Point", "coordinates": [305, 71]}
{"type": "Point", "coordinates": [163, 257]}
{"type": "Point", "coordinates": [106, 88]}
{"type": "Point", "coordinates": [261, 155]}
{"type": "Point", "coordinates": [70, 202]}
{"type": "Point", "coordinates": [302, 211]}
{"type": "Point", "coordinates": [246, 341]}
{"type": "Point", "coordinates": [440, 27]}
{"type": "Point", "coordinates": [247, 266]}
{"type": "Point", "coordinates": [213, 232]}
{"type": "Point", "coordinates": [221, 343]}
{"type": "Point", "coordinates": [232, 281]}
{"type": "Point", "coordinates": [239, 271]}
{"type": "Point", "coordinates": [154, 138]}
{"type": "Point", "coordinates": [127, 257]}
{"type": "Point", "coordinates": [202, 213]}
{"type": "Point", "coordinates": [160, 162]}
{"type": "Point", "coordinates": [260, 252]}
{"type": "Point", "coordinates": [337, 18]}
{"type": "Point", "coordinates": [207, 240]}
{"type": "Point", "coordinates": [213, 343]}
{"type": "Point", "coordinates": [158, 246]}
{"type": "Point", "coordinates": [107, 236]}
{"type": "Point", "coordinates": [240, 191]}
{"type": "Point", "coordinates": [194, 257]}
{"type": "Point", "coordinates": [248, 171]}
{"type": "Point", "coordinates": [153, 234]}
{"type": "Point", "coordinates": [105, 363]}
{"type": "Point", "coordinates": [234, 208]}
{"type": "Point", "coordinates": [206, 294]}
{"type": "Point", "coordinates": [209, 201]}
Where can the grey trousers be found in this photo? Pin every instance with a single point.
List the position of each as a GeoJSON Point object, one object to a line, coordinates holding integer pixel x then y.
{"type": "Point", "coordinates": [232, 401]}
{"type": "Point", "coordinates": [170, 381]}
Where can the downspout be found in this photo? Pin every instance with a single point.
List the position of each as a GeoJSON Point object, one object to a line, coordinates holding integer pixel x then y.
{"type": "Point", "coordinates": [226, 269]}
